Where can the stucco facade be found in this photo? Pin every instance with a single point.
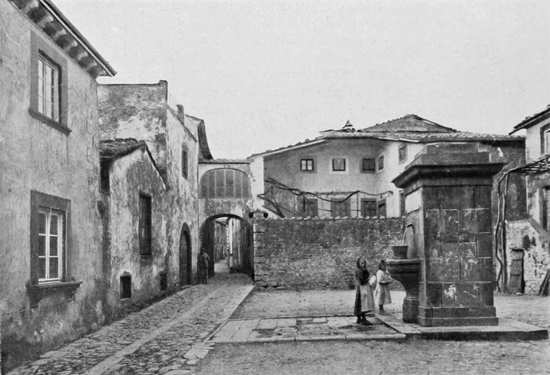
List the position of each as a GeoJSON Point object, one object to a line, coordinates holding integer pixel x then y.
{"type": "Point", "coordinates": [528, 237]}
{"type": "Point", "coordinates": [290, 185]}
{"type": "Point", "coordinates": [47, 162]}
{"type": "Point", "coordinates": [132, 178]}
{"type": "Point", "coordinates": [144, 112]}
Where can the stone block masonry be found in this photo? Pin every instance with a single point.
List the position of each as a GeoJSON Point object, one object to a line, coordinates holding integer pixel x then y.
{"type": "Point", "coordinates": [316, 253]}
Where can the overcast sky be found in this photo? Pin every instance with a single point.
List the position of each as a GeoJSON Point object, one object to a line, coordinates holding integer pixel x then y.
{"type": "Point", "coordinates": [264, 74]}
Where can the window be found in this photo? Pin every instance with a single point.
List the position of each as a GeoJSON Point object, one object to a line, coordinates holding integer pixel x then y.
{"type": "Point", "coordinates": [339, 164]}
{"type": "Point", "coordinates": [50, 245]}
{"type": "Point", "coordinates": [163, 278]}
{"type": "Point", "coordinates": [402, 152]}
{"type": "Point", "coordinates": [184, 163]}
{"type": "Point", "coordinates": [48, 88]}
{"type": "Point", "coordinates": [145, 224]}
{"type": "Point", "coordinates": [48, 85]}
{"type": "Point", "coordinates": [381, 162]}
{"type": "Point", "coordinates": [340, 209]}
{"type": "Point", "coordinates": [125, 286]}
{"type": "Point", "coordinates": [382, 207]}
{"type": "Point", "coordinates": [225, 183]}
{"type": "Point", "coordinates": [368, 165]}
{"type": "Point", "coordinates": [49, 223]}
{"type": "Point", "coordinates": [307, 165]}
{"type": "Point", "coordinates": [104, 184]}
{"type": "Point", "coordinates": [545, 139]}
{"type": "Point", "coordinates": [368, 208]}
{"type": "Point", "coordinates": [402, 203]}
{"type": "Point", "coordinates": [309, 207]}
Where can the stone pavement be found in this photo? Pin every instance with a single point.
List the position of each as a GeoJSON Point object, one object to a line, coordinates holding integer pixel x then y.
{"type": "Point", "coordinates": [303, 329]}
{"type": "Point", "coordinates": [165, 337]}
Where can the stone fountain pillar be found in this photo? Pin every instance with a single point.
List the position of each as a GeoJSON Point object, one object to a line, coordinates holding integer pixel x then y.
{"type": "Point", "coordinates": [448, 201]}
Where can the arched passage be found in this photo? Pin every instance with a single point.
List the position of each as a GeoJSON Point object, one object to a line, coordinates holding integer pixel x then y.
{"type": "Point", "coordinates": [228, 238]}
{"type": "Point", "coordinates": [185, 256]}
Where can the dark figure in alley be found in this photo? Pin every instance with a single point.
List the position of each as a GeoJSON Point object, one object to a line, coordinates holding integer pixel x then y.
{"type": "Point", "coordinates": [202, 268]}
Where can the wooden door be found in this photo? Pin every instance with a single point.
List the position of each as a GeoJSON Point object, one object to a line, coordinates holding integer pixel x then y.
{"type": "Point", "coordinates": [516, 284]}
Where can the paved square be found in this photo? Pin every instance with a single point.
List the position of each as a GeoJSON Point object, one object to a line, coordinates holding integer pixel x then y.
{"type": "Point", "coordinates": [303, 329]}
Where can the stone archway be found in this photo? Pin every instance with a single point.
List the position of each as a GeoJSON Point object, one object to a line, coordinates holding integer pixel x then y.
{"type": "Point", "coordinates": [241, 256]}
{"type": "Point", "coordinates": [185, 256]}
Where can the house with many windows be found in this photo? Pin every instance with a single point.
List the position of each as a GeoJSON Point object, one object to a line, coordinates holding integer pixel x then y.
{"type": "Point", "coordinates": [50, 274]}
{"type": "Point", "coordinates": [528, 238]}
{"type": "Point", "coordinates": [348, 172]}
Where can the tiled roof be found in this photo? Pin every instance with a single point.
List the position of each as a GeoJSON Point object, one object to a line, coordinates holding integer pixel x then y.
{"type": "Point", "coordinates": [409, 123]}
{"type": "Point", "coordinates": [224, 161]}
{"type": "Point", "coordinates": [533, 120]}
{"type": "Point", "coordinates": [537, 167]}
{"type": "Point", "coordinates": [115, 148]}
{"type": "Point", "coordinates": [409, 128]}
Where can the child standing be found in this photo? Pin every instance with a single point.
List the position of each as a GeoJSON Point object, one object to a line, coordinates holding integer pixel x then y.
{"type": "Point", "coordinates": [382, 291]}
{"type": "Point", "coordinates": [364, 301]}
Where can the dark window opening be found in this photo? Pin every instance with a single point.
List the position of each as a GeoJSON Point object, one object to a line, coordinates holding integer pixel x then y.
{"type": "Point", "coordinates": [309, 207]}
{"type": "Point", "coordinates": [339, 164]}
{"type": "Point", "coordinates": [340, 209]}
{"type": "Point", "coordinates": [184, 163]}
{"type": "Point", "coordinates": [381, 162]}
{"type": "Point", "coordinates": [145, 225]}
{"type": "Point", "coordinates": [402, 153]}
{"type": "Point", "coordinates": [382, 208]}
{"type": "Point", "coordinates": [163, 280]}
{"type": "Point", "coordinates": [307, 165]}
{"type": "Point", "coordinates": [125, 286]}
{"type": "Point", "coordinates": [368, 208]}
{"type": "Point", "coordinates": [104, 176]}
{"type": "Point", "coordinates": [402, 203]}
{"type": "Point", "coordinates": [368, 165]}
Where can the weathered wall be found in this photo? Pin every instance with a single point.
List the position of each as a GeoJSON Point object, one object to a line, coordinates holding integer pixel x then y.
{"type": "Point", "coordinates": [129, 176]}
{"type": "Point", "coordinates": [38, 157]}
{"type": "Point", "coordinates": [143, 112]}
{"type": "Point", "coordinates": [529, 236]}
{"type": "Point", "coordinates": [182, 200]}
{"type": "Point", "coordinates": [135, 111]}
{"type": "Point", "coordinates": [319, 253]}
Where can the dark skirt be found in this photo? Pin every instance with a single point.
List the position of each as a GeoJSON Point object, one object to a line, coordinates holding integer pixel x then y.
{"type": "Point", "coordinates": [357, 307]}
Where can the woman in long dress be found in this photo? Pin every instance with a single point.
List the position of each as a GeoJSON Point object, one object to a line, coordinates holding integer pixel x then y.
{"type": "Point", "coordinates": [382, 291]}
{"type": "Point", "coordinates": [364, 301]}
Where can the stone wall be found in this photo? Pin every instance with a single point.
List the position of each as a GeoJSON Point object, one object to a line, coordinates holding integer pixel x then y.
{"type": "Point", "coordinates": [319, 253]}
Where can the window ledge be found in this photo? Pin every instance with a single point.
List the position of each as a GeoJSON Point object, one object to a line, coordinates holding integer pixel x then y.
{"type": "Point", "coordinates": [48, 121]}
{"type": "Point", "coordinates": [38, 291]}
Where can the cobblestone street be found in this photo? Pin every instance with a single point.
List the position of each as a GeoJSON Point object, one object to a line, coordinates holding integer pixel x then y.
{"type": "Point", "coordinates": [372, 357]}
{"type": "Point", "coordinates": [170, 337]}
{"type": "Point", "coordinates": [161, 338]}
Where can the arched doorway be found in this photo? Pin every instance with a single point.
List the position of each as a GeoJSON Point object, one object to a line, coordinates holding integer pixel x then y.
{"type": "Point", "coordinates": [185, 264]}
{"type": "Point", "coordinates": [228, 238]}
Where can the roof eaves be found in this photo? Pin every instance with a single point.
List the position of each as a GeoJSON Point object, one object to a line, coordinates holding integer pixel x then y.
{"type": "Point", "coordinates": [532, 120]}
{"type": "Point", "coordinates": [279, 150]}
{"type": "Point", "coordinates": [106, 68]}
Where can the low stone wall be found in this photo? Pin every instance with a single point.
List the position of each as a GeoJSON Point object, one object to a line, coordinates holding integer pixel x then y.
{"type": "Point", "coordinates": [319, 253]}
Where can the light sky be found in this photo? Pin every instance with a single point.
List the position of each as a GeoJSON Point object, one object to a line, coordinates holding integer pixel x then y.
{"type": "Point", "coordinates": [264, 74]}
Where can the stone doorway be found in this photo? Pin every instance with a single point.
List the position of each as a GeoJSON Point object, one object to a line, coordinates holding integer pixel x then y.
{"type": "Point", "coordinates": [516, 284]}
{"type": "Point", "coordinates": [185, 263]}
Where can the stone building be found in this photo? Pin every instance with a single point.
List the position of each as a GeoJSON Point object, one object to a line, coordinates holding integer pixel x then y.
{"type": "Point", "coordinates": [145, 113]}
{"type": "Point", "coordinates": [51, 270]}
{"type": "Point", "coordinates": [348, 172]}
{"type": "Point", "coordinates": [528, 238]}
{"type": "Point", "coordinates": [135, 250]}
